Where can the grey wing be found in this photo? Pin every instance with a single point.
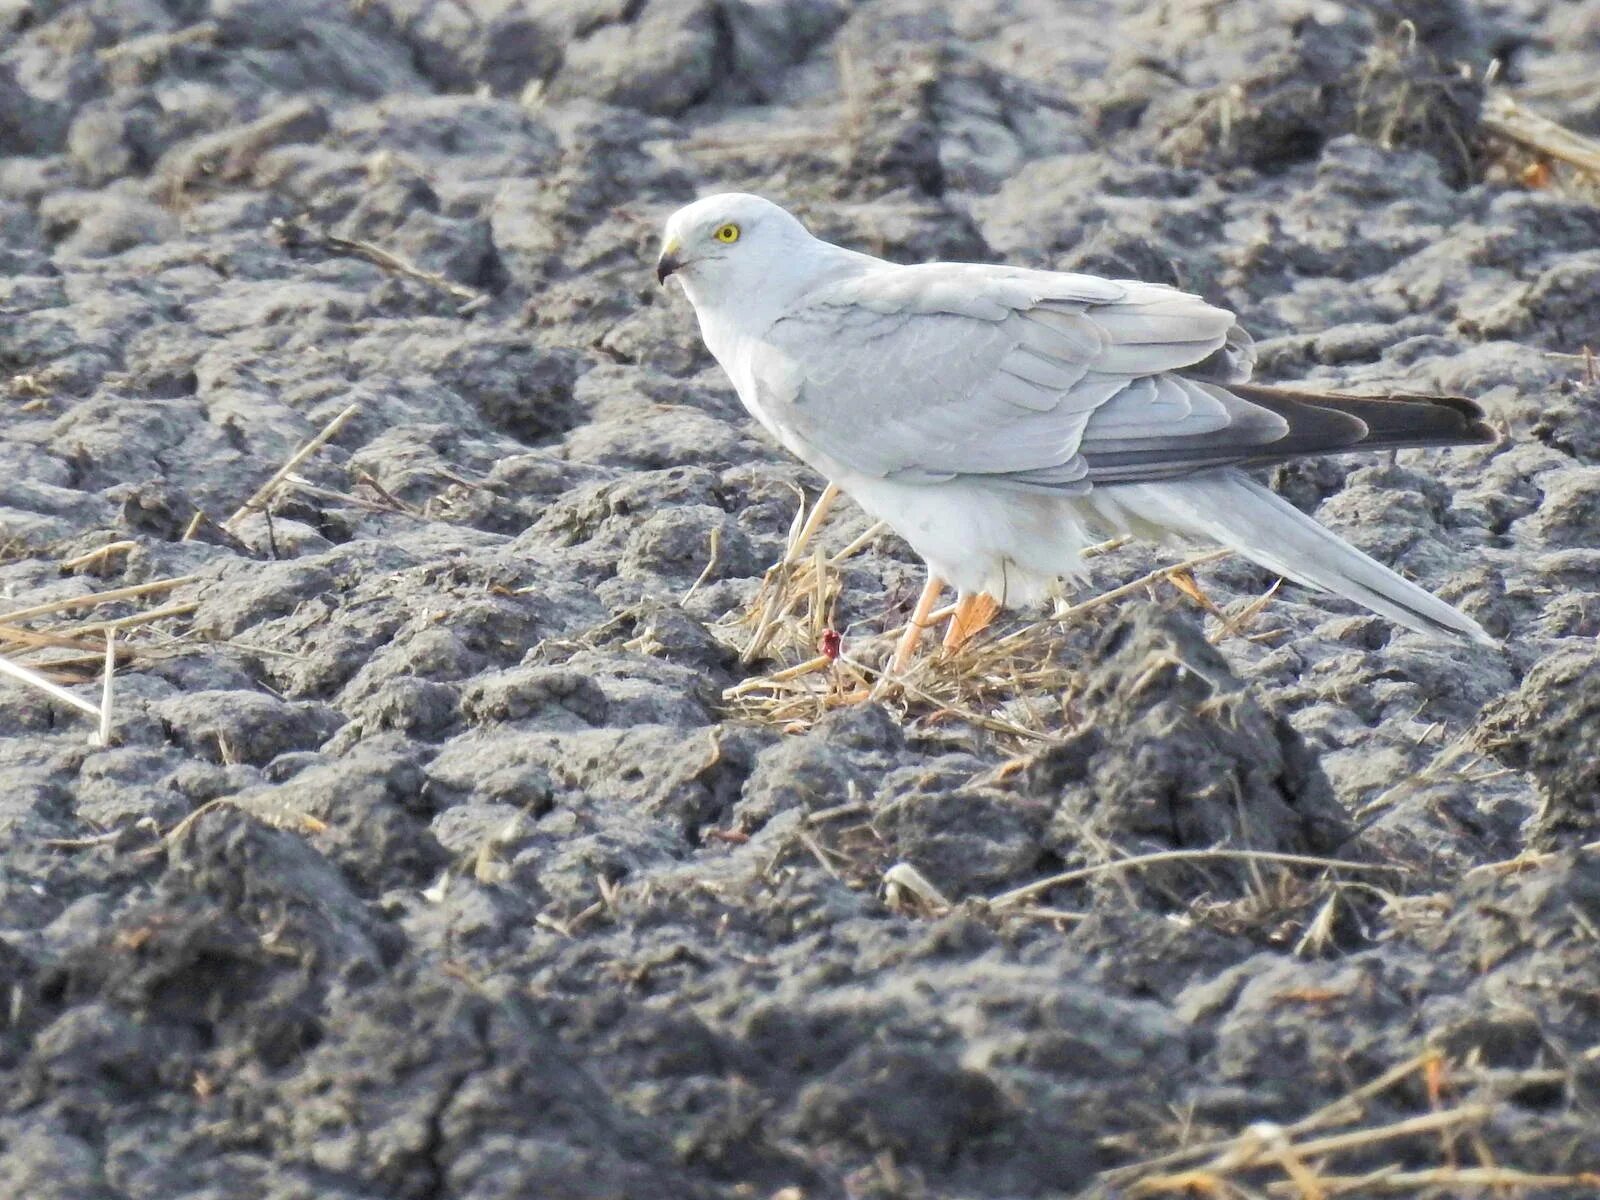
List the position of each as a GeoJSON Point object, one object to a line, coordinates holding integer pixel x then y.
{"type": "Point", "coordinates": [1033, 379]}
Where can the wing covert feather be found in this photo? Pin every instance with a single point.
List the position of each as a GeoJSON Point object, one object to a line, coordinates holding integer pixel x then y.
{"type": "Point", "coordinates": [1028, 378]}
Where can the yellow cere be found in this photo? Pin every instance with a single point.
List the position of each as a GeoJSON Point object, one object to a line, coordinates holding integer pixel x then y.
{"type": "Point", "coordinates": [727, 233]}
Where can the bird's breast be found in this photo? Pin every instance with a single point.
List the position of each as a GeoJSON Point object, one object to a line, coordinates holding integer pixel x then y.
{"type": "Point", "coordinates": [736, 353]}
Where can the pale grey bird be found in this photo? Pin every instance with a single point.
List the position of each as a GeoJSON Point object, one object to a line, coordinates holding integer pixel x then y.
{"type": "Point", "coordinates": [1002, 419]}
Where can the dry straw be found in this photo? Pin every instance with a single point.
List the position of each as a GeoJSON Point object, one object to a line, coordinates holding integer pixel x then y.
{"type": "Point", "coordinates": [60, 656]}
{"type": "Point", "coordinates": [52, 659]}
{"type": "Point", "coordinates": [1300, 1160]}
{"type": "Point", "coordinates": [1017, 684]}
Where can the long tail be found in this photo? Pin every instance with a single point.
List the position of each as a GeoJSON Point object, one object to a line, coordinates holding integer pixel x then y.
{"type": "Point", "coordinates": [1235, 511]}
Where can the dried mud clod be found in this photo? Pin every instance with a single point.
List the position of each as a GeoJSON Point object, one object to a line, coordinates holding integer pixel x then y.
{"type": "Point", "coordinates": [1293, 88]}
{"type": "Point", "coordinates": [1176, 754]}
{"type": "Point", "coordinates": [1550, 728]}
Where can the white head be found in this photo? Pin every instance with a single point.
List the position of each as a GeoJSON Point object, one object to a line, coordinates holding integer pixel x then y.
{"type": "Point", "coordinates": [730, 247]}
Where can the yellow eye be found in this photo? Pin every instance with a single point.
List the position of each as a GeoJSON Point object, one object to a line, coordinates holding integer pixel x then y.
{"type": "Point", "coordinates": [727, 233]}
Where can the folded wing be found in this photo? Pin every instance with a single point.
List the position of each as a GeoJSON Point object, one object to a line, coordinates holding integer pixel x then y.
{"type": "Point", "coordinates": [1046, 380]}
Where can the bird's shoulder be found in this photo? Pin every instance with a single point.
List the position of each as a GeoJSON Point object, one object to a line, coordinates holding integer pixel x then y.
{"type": "Point", "coordinates": [1010, 318]}
{"type": "Point", "coordinates": [983, 291]}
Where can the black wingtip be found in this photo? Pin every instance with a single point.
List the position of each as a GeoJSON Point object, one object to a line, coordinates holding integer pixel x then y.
{"type": "Point", "coordinates": [1393, 422]}
{"type": "Point", "coordinates": [1474, 428]}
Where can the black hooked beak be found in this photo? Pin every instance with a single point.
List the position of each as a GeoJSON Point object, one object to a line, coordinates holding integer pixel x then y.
{"type": "Point", "coordinates": [668, 262]}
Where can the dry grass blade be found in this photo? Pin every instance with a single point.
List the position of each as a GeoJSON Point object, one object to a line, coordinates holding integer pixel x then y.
{"type": "Point", "coordinates": [106, 689]}
{"type": "Point", "coordinates": [367, 480]}
{"type": "Point", "coordinates": [714, 554]}
{"type": "Point", "coordinates": [263, 493]}
{"type": "Point", "coordinates": [1446, 761]}
{"type": "Point", "coordinates": [773, 599]}
{"type": "Point", "coordinates": [34, 639]}
{"type": "Point", "coordinates": [810, 666]}
{"type": "Point", "coordinates": [1351, 1105]}
{"type": "Point", "coordinates": [1345, 1109]}
{"type": "Point", "coordinates": [93, 643]}
{"type": "Point", "coordinates": [985, 679]}
{"type": "Point", "coordinates": [1318, 935]}
{"type": "Point", "coordinates": [96, 555]}
{"type": "Point", "coordinates": [299, 234]}
{"type": "Point", "coordinates": [37, 681]}
{"type": "Point", "coordinates": [859, 544]}
{"type": "Point", "coordinates": [152, 47]}
{"type": "Point", "coordinates": [1334, 1143]}
{"type": "Point", "coordinates": [1139, 861]}
{"type": "Point", "coordinates": [1144, 581]}
{"type": "Point", "coordinates": [1303, 1177]}
{"type": "Point", "coordinates": [270, 809]}
{"type": "Point", "coordinates": [1105, 547]}
{"type": "Point", "coordinates": [87, 640]}
{"type": "Point", "coordinates": [1265, 1146]}
{"type": "Point", "coordinates": [1240, 623]}
{"type": "Point", "coordinates": [95, 599]}
{"type": "Point", "coordinates": [132, 620]}
{"type": "Point", "coordinates": [1527, 861]}
{"type": "Point", "coordinates": [84, 843]}
{"type": "Point", "coordinates": [1234, 1166]}
{"type": "Point", "coordinates": [1504, 116]}
{"type": "Point", "coordinates": [795, 697]}
{"type": "Point", "coordinates": [908, 888]}
{"type": "Point", "coordinates": [794, 582]}
{"type": "Point", "coordinates": [808, 530]}
{"type": "Point", "coordinates": [77, 668]}
{"type": "Point", "coordinates": [1410, 1182]}
{"type": "Point", "coordinates": [387, 505]}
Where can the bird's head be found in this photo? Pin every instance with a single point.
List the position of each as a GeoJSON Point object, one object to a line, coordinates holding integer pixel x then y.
{"type": "Point", "coordinates": [725, 247]}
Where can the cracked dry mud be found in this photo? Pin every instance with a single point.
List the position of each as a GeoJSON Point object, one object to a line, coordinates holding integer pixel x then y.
{"type": "Point", "coordinates": [426, 860]}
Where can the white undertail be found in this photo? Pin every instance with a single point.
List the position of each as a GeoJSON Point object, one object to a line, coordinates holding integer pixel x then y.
{"type": "Point", "coordinates": [1234, 510]}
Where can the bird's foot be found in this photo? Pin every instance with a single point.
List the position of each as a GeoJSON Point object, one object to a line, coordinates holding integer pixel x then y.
{"type": "Point", "coordinates": [974, 611]}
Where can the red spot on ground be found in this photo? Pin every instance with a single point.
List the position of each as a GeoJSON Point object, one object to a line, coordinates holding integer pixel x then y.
{"type": "Point", "coordinates": [831, 642]}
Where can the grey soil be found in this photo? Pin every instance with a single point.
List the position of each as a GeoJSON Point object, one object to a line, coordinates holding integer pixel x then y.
{"type": "Point", "coordinates": [504, 904]}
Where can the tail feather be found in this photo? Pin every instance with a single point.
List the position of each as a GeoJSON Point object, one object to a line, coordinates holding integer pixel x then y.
{"type": "Point", "coordinates": [1235, 511]}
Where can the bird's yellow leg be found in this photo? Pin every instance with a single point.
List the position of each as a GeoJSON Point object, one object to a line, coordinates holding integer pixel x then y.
{"type": "Point", "coordinates": [819, 513]}
{"type": "Point", "coordinates": [907, 647]}
{"type": "Point", "coordinates": [974, 611]}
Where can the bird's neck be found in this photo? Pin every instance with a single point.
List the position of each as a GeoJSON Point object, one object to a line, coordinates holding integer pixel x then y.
{"type": "Point", "coordinates": [766, 299]}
